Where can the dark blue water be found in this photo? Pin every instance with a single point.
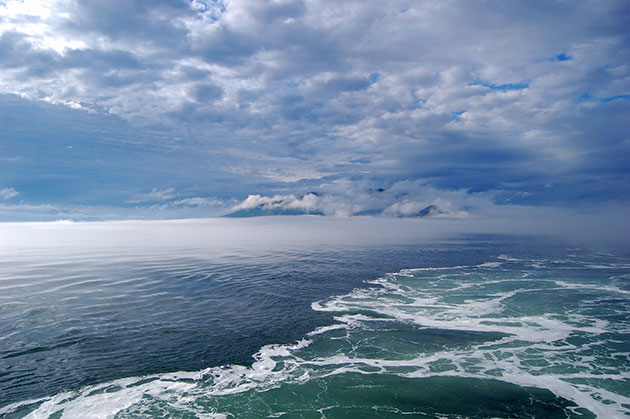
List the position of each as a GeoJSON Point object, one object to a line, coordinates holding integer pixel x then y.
{"type": "Point", "coordinates": [73, 317]}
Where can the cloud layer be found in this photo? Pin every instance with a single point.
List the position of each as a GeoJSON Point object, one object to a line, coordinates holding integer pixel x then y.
{"type": "Point", "coordinates": [346, 199]}
{"type": "Point", "coordinates": [218, 100]}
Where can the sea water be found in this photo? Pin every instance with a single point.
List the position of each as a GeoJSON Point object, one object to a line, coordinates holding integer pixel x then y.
{"type": "Point", "coordinates": [457, 326]}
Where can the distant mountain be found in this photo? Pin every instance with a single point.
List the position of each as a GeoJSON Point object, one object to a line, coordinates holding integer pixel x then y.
{"type": "Point", "coordinates": [264, 210]}
{"type": "Point", "coordinates": [429, 211]}
{"type": "Point", "coordinates": [259, 206]}
{"type": "Point", "coordinates": [312, 203]}
{"type": "Point", "coordinates": [426, 212]}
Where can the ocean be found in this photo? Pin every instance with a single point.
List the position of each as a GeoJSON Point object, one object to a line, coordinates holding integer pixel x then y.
{"type": "Point", "coordinates": [199, 321]}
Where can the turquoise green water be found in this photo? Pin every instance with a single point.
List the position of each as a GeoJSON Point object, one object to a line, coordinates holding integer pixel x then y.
{"type": "Point", "coordinates": [511, 337]}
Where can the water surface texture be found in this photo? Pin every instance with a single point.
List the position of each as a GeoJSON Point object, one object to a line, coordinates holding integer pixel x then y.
{"type": "Point", "coordinates": [462, 326]}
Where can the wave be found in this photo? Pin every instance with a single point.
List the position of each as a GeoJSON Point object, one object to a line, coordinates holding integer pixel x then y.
{"type": "Point", "coordinates": [463, 322]}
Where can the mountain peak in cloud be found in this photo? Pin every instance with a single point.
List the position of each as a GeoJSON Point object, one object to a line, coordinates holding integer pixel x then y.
{"type": "Point", "coordinates": [372, 201]}
{"type": "Point", "coordinates": [256, 205]}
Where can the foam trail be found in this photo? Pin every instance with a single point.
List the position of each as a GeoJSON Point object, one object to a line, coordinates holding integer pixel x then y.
{"type": "Point", "coordinates": [490, 321]}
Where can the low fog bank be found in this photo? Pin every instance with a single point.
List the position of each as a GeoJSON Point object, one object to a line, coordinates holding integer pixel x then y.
{"type": "Point", "coordinates": [606, 224]}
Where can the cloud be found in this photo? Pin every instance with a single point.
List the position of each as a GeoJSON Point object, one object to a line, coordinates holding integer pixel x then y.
{"type": "Point", "coordinates": [37, 212]}
{"type": "Point", "coordinates": [155, 195]}
{"type": "Point", "coordinates": [437, 208]}
{"type": "Point", "coordinates": [236, 97]}
{"type": "Point", "coordinates": [345, 198]}
{"type": "Point", "coordinates": [197, 202]}
{"type": "Point", "coordinates": [308, 203]}
{"type": "Point", "coordinates": [196, 207]}
{"type": "Point", "coordinates": [8, 193]}
{"type": "Point", "coordinates": [169, 203]}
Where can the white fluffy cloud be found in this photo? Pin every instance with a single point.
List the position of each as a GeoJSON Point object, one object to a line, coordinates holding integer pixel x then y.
{"type": "Point", "coordinates": [307, 203]}
{"type": "Point", "coordinates": [8, 193]}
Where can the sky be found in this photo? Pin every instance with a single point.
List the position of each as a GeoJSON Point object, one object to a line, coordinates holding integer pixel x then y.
{"type": "Point", "coordinates": [118, 109]}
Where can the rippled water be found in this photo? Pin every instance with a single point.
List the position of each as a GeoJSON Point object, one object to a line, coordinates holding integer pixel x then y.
{"type": "Point", "coordinates": [475, 326]}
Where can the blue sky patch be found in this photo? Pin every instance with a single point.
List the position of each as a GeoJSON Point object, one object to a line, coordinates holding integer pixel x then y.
{"type": "Point", "coordinates": [502, 87]}
{"type": "Point", "coordinates": [561, 57]}
{"type": "Point", "coordinates": [618, 97]}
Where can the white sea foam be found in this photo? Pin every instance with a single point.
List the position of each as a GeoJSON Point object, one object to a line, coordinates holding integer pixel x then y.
{"type": "Point", "coordinates": [486, 315]}
{"type": "Point", "coordinates": [326, 329]}
{"type": "Point", "coordinates": [507, 357]}
{"type": "Point", "coordinates": [597, 287]}
{"type": "Point", "coordinates": [490, 265]}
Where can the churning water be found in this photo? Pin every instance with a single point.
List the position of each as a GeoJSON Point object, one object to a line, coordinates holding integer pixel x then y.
{"type": "Point", "coordinates": [471, 326]}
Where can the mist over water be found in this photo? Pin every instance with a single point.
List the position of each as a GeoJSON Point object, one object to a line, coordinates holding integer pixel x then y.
{"type": "Point", "coordinates": [162, 318]}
